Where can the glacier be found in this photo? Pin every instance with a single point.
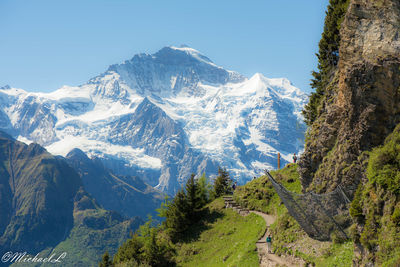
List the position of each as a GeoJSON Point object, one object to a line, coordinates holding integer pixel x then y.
{"type": "Point", "coordinates": [164, 116]}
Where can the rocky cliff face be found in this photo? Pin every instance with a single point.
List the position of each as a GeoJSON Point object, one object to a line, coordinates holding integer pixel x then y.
{"type": "Point", "coordinates": [361, 105]}
{"type": "Point", "coordinates": [149, 127]}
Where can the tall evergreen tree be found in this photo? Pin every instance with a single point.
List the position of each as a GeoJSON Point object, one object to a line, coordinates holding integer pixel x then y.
{"type": "Point", "coordinates": [222, 184]}
{"type": "Point", "coordinates": [328, 57]}
{"type": "Point", "coordinates": [131, 250]}
{"type": "Point", "coordinates": [154, 252]}
{"type": "Point", "coordinates": [203, 190]}
{"type": "Point", "coordinates": [177, 220]}
{"type": "Point", "coordinates": [192, 198]}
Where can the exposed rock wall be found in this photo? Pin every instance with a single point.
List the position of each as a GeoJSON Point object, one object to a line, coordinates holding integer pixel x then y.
{"type": "Point", "coordinates": [361, 105]}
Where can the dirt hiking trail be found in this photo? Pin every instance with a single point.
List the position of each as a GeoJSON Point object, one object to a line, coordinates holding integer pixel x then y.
{"type": "Point", "coordinates": [269, 259]}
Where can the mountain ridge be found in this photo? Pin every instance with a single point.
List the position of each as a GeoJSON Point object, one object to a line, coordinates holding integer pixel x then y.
{"type": "Point", "coordinates": [43, 204]}
{"type": "Point", "coordinates": [127, 195]}
{"type": "Point", "coordinates": [214, 113]}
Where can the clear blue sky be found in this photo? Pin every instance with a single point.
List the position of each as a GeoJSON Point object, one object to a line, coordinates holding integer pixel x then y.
{"type": "Point", "coordinates": [45, 44]}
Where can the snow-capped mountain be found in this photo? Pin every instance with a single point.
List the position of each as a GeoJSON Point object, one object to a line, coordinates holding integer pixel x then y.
{"type": "Point", "coordinates": [164, 116]}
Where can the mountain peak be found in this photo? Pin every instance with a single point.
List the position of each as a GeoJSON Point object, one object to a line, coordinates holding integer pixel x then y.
{"type": "Point", "coordinates": [172, 71]}
{"type": "Point", "coordinates": [282, 86]}
{"type": "Point", "coordinates": [77, 153]}
{"type": "Point", "coordinates": [184, 46]}
{"type": "Point", "coordinates": [184, 54]}
{"type": "Point", "coordinates": [258, 76]}
{"type": "Point", "coordinates": [147, 116]}
{"type": "Point", "coordinates": [282, 82]}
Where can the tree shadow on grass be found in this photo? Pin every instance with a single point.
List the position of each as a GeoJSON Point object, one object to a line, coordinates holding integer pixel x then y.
{"type": "Point", "coordinates": [204, 218]}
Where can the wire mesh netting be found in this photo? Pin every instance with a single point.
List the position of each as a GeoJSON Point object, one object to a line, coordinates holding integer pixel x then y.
{"type": "Point", "coordinates": [319, 215]}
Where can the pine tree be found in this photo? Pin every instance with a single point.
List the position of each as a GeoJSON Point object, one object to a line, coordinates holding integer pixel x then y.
{"type": "Point", "coordinates": [146, 247]}
{"type": "Point", "coordinates": [328, 57]}
{"type": "Point", "coordinates": [203, 190]}
{"type": "Point", "coordinates": [130, 251]}
{"type": "Point", "coordinates": [151, 250]}
{"type": "Point", "coordinates": [192, 198]}
{"type": "Point", "coordinates": [177, 220]}
{"type": "Point", "coordinates": [222, 184]}
{"type": "Point", "coordinates": [106, 261]}
{"type": "Point", "coordinates": [162, 210]}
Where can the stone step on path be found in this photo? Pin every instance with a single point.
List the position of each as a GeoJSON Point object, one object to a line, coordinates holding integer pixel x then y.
{"type": "Point", "coordinates": [230, 203]}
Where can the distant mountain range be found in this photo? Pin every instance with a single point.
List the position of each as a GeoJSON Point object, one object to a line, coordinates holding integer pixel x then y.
{"type": "Point", "coordinates": [45, 209]}
{"type": "Point", "coordinates": [164, 116]}
{"type": "Point", "coordinates": [128, 195]}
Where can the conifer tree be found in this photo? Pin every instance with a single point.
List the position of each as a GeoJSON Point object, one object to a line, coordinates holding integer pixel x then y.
{"type": "Point", "coordinates": [131, 250]}
{"type": "Point", "coordinates": [222, 184]}
{"type": "Point", "coordinates": [153, 252]}
{"type": "Point", "coordinates": [203, 190]}
{"type": "Point", "coordinates": [192, 198]}
{"type": "Point", "coordinates": [106, 261]}
{"type": "Point", "coordinates": [146, 247]}
{"type": "Point", "coordinates": [177, 220]}
{"type": "Point", "coordinates": [328, 57]}
{"type": "Point", "coordinates": [162, 210]}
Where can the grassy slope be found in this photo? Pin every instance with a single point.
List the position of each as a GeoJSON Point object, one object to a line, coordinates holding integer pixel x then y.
{"type": "Point", "coordinates": [223, 238]}
{"type": "Point", "coordinates": [260, 195]}
{"type": "Point", "coordinates": [376, 205]}
{"type": "Point", "coordinates": [288, 237]}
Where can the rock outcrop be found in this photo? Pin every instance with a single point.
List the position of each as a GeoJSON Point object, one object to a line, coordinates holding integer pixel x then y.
{"type": "Point", "coordinates": [361, 106]}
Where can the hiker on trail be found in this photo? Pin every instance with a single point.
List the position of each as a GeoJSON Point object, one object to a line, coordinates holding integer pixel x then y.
{"type": "Point", "coordinates": [294, 158]}
{"type": "Point", "coordinates": [269, 243]}
{"type": "Point", "coordinates": [234, 186]}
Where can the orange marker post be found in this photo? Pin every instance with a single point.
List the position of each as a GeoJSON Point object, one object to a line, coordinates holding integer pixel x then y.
{"type": "Point", "coordinates": [279, 160]}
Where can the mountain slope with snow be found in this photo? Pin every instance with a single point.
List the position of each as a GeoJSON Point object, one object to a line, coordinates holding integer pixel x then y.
{"type": "Point", "coordinates": [164, 116]}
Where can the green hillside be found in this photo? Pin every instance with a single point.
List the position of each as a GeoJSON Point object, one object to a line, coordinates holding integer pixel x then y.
{"type": "Point", "coordinates": [44, 207]}
{"type": "Point", "coordinates": [287, 234]}
{"type": "Point", "coordinates": [197, 231]}
{"type": "Point", "coordinates": [221, 237]}
{"type": "Point", "coordinates": [228, 239]}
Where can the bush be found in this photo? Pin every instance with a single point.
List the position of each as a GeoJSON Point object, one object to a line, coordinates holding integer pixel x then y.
{"type": "Point", "coordinates": [356, 210]}
{"type": "Point", "coordinates": [384, 164]}
{"type": "Point", "coordinates": [368, 236]}
{"type": "Point", "coordinates": [106, 261]}
{"type": "Point", "coordinates": [338, 238]}
{"type": "Point", "coordinates": [396, 215]}
{"type": "Point", "coordinates": [376, 204]}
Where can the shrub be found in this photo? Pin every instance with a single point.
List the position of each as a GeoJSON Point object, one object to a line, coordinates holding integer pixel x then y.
{"type": "Point", "coordinates": [356, 205]}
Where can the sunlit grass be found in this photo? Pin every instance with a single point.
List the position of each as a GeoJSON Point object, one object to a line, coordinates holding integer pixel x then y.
{"type": "Point", "coordinates": [229, 240]}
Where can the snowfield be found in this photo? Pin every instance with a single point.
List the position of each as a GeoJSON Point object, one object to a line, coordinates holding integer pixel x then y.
{"type": "Point", "coordinates": [174, 111]}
